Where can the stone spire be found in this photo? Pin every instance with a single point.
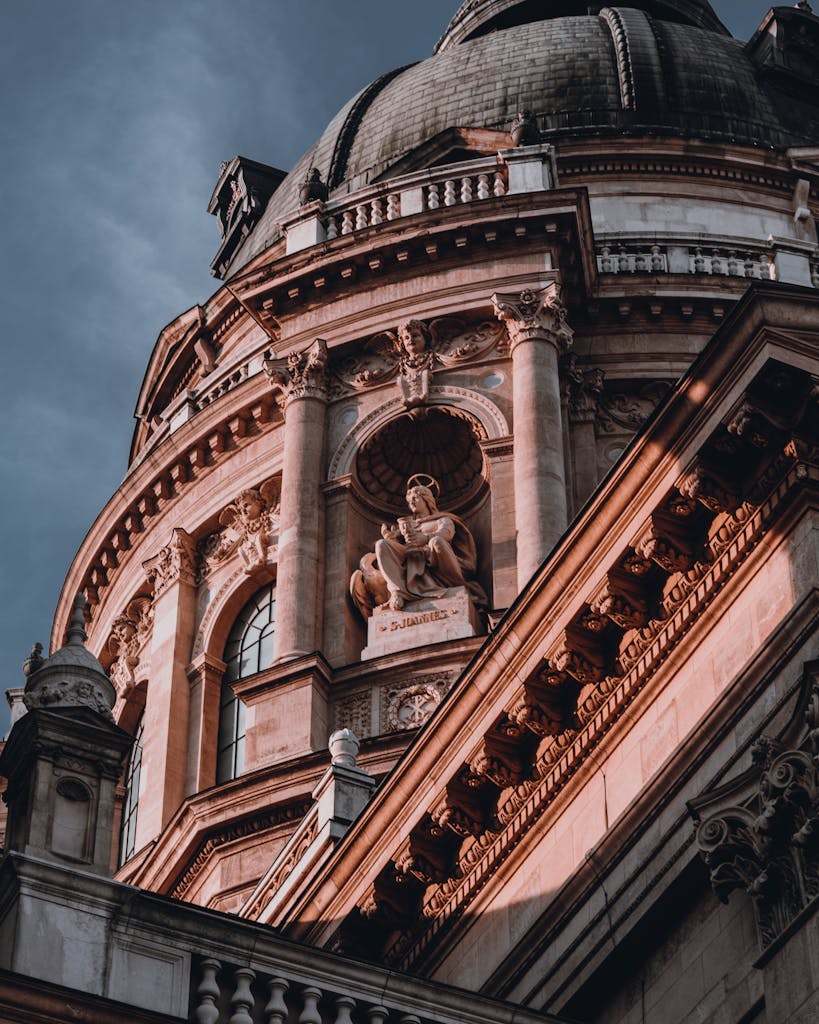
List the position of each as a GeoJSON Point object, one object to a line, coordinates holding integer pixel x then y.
{"type": "Point", "coordinates": [72, 677]}
{"type": "Point", "coordinates": [63, 758]}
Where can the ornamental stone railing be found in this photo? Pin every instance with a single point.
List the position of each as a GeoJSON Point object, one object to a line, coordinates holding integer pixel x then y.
{"type": "Point", "coordinates": [784, 260]}
{"type": "Point", "coordinates": [99, 937]}
{"type": "Point", "coordinates": [526, 169]}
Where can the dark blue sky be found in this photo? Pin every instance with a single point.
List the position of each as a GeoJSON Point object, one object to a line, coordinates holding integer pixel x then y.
{"type": "Point", "coordinates": [115, 117]}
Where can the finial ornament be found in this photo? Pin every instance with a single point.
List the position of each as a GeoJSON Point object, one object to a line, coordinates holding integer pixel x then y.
{"type": "Point", "coordinates": [803, 5]}
{"type": "Point", "coordinates": [76, 626]}
{"type": "Point", "coordinates": [34, 660]}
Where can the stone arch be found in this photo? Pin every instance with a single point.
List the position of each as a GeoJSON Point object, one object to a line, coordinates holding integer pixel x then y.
{"type": "Point", "coordinates": [488, 420]}
{"type": "Point", "coordinates": [225, 605]}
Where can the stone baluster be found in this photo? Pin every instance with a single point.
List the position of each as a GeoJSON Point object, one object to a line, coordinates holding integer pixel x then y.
{"type": "Point", "coordinates": [483, 186]}
{"type": "Point", "coordinates": [606, 262]}
{"type": "Point", "coordinates": [310, 1013]}
{"type": "Point", "coordinates": [449, 193]}
{"type": "Point", "coordinates": [623, 261]}
{"type": "Point", "coordinates": [499, 187]}
{"type": "Point", "coordinates": [466, 190]}
{"type": "Point", "coordinates": [393, 206]}
{"type": "Point", "coordinates": [207, 992]}
{"type": "Point", "coordinates": [301, 390]}
{"type": "Point", "coordinates": [410, 1018]}
{"type": "Point", "coordinates": [241, 1001]}
{"type": "Point", "coordinates": [377, 212]}
{"type": "Point", "coordinates": [733, 266]}
{"type": "Point", "coordinates": [538, 334]}
{"type": "Point", "coordinates": [332, 229]}
{"type": "Point", "coordinates": [347, 223]}
{"type": "Point", "coordinates": [656, 259]}
{"type": "Point", "coordinates": [344, 1007]}
{"type": "Point", "coordinates": [361, 220]}
{"type": "Point", "coordinates": [377, 1014]}
{"type": "Point", "coordinates": [433, 198]}
{"type": "Point", "coordinates": [751, 269]}
{"type": "Point", "coordinates": [276, 1009]}
{"type": "Point", "coordinates": [699, 262]}
{"type": "Point", "coordinates": [641, 263]}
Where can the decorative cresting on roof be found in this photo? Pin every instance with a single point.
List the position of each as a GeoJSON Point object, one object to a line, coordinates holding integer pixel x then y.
{"type": "Point", "coordinates": [477, 17]}
{"type": "Point", "coordinates": [72, 677]}
{"type": "Point", "coordinates": [760, 833]}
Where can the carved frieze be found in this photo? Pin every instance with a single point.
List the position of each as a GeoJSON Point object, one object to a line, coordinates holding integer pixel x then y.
{"type": "Point", "coordinates": [249, 524]}
{"type": "Point", "coordinates": [625, 412]}
{"type": "Point", "coordinates": [412, 352]}
{"type": "Point", "coordinates": [176, 562]}
{"type": "Point", "coordinates": [582, 388]}
{"type": "Point", "coordinates": [301, 375]}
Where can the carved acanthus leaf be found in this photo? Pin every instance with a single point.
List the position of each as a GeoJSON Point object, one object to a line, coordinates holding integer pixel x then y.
{"type": "Point", "coordinates": [535, 316]}
{"type": "Point", "coordinates": [301, 375]}
{"type": "Point", "coordinates": [176, 562]}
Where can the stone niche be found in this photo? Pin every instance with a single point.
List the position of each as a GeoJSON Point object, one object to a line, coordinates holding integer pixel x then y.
{"type": "Point", "coordinates": [422, 480]}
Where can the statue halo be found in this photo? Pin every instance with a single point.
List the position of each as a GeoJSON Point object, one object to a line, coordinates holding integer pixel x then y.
{"type": "Point", "coordinates": [427, 481]}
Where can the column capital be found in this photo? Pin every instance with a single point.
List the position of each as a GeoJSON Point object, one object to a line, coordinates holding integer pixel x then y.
{"type": "Point", "coordinates": [534, 316]}
{"type": "Point", "coordinates": [206, 667]}
{"type": "Point", "coordinates": [175, 563]}
{"type": "Point", "coordinates": [302, 375]}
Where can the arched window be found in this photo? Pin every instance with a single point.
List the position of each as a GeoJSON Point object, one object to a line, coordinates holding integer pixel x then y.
{"type": "Point", "coordinates": [250, 648]}
{"type": "Point", "coordinates": [130, 805]}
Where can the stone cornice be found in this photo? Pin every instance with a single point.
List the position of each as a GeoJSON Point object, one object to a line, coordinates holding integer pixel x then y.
{"type": "Point", "coordinates": [571, 649]}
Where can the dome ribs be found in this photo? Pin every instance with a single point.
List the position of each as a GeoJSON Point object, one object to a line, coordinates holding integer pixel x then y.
{"type": "Point", "coordinates": [346, 137]}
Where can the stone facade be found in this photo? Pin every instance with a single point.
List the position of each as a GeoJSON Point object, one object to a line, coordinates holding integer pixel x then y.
{"type": "Point", "coordinates": [581, 668]}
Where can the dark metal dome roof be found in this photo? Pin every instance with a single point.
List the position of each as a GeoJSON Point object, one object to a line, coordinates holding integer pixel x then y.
{"type": "Point", "coordinates": [619, 72]}
{"type": "Point", "coordinates": [477, 17]}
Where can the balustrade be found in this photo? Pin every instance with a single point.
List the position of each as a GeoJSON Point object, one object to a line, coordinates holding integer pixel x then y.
{"type": "Point", "coordinates": [668, 259]}
{"type": "Point", "coordinates": [415, 194]}
{"type": "Point", "coordinates": [243, 995]}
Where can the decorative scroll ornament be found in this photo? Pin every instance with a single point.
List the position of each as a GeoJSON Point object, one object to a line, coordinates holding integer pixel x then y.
{"type": "Point", "coordinates": [130, 633]}
{"type": "Point", "coordinates": [301, 375]}
{"type": "Point", "coordinates": [535, 316]}
{"type": "Point", "coordinates": [625, 413]}
{"type": "Point", "coordinates": [250, 522]}
{"type": "Point", "coordinates": [582, 389]}
{"type": "Point", "coordinates": [761, 834]}
{"type": "Point", "coordinates": [413, 351]}
{"type": "Point", "coordinates": [176, 562]}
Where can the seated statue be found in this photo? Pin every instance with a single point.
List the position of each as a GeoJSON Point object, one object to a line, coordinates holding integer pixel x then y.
{"type": "Point", "coordinates": [423, 555]}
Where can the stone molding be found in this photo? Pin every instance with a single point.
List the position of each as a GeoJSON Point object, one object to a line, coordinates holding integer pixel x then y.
{"type": "Point", "coordinates": [760, 833]}
{"type": "Point", "coordinates": [175, 563]}
{"type": "Point", "coordinates": [533, 315]}
{"type": "Point", "coordinates": [302, 375]}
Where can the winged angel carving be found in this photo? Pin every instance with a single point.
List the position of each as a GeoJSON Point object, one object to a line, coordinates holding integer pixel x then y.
{"type": "Point", "coordinates": [250, 521]}
{"type": "Point", "coordinates": [411, 353]}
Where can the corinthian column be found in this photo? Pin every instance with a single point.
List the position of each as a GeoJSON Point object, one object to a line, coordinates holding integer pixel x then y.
{"type": "Point", "coordinates": [538, 335]}
{"type": "Point", "coordinates": [300, 384]}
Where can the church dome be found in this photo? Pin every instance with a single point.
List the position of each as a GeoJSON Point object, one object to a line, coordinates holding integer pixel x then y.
{"type": "Point", "coordinates": [655, 68]}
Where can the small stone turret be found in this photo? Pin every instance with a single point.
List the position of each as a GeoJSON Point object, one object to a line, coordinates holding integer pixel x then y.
{"type": "Point", "coordinates": [63, 758]}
